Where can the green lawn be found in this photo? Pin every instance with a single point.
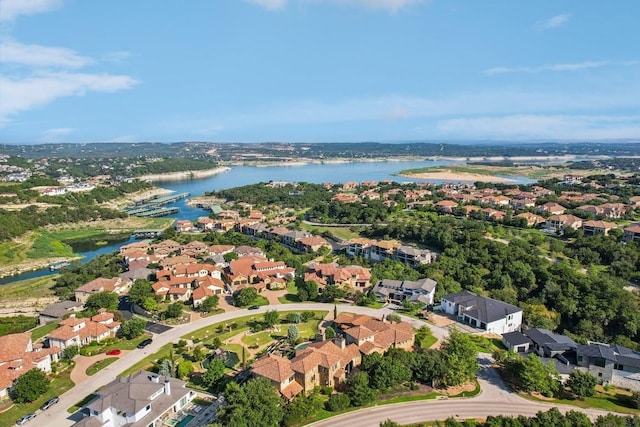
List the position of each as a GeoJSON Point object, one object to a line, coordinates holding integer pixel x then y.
{"type": "Point", "coordinates": [16, 324]}
{"type": "Point", "coordinates": [119, 344]}
{"type": "Point", "coordinates": [30, 288]}
{"type": "Point", "coordinates": [425, 339]}
{"type": "Point", "coordinates": [613, 401]}
{"type": "Point", "coordinates": [100, 365]}
{"type": "Point", "coordinates": [258, 339]}
{"type": "Point", "coordinates": [343, 233]}
{"type": "Point", "coordinates": [486, 345]}
{"type": "Point", "coordinates": [80, 404]}
{"type": "Point", "coordinates": [58, 386]}
{"type": "Point", "coordinates": [42, 331]}
{"type": "Point", "coordinates": [260, 300]}
{"type": "Point", "coordinates": [291, 296]}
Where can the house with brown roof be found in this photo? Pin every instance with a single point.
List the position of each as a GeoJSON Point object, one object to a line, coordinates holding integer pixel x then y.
{"type": "Point", "coordinates": [593, 228]}
{"type": "Point", "coordinates": [375, 336]}
{"type": "Point", "coordinates": [355, 277]}
{"type": "Point", "coordinates": [551, 208]}
{"type": "Point", "coordinates": [559, 223]}
{"type": "Point", "coordinates": [101, 284]}
{"type": "Point", "coordinates": [312, 243]}
{"type": "Point", "coordinates": [18, 355]}
{"type": "Point", "coordinates": [532, 219]}
{"type": "Point", "coordinates": [84, 330]}
{"type": "Point", "coordinates": [446, 206]}
{"type": "Point", "coordinates": [320, 364]}
{"type": "Point", "coordinates": [631, 233]}
{"type": "Point", "coordinates": [183, 225]}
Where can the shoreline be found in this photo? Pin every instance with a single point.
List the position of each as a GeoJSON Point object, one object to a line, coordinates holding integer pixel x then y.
{"type": "Point", "coordinates": [459, 176]}
{"type": "Point", "coordinates": [183, 175]}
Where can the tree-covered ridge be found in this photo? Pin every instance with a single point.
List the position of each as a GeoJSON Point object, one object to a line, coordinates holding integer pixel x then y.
{"type": "Point", "coordinates": [296, 196]}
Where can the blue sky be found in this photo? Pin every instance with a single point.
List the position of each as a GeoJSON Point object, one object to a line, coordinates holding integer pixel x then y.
{"type": "Point", "coordinates": [318, 70]}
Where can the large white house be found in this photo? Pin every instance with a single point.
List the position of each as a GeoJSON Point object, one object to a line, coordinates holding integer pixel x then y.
{"type": "Point", "coordinates": [482, 312]}
{"type": "Point", "coordinates": [143, 399]}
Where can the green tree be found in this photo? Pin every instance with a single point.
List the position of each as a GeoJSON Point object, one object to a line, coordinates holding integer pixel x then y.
{"type": "Point", "coordinates": [150, 303]}
{"type": "Point", "coordinates": [140, 290]}
{"type": "Point", "coordinates": [534, 375]}
{"type": "Point", "coordinates": [256, 403]}
{"type": "Point", "coordinates": [166, 368]}
{"type": "Point", "coordinates": [329, 333]}
{"type": "Point", "coordinates": [245, 297]}
{"type": "Point", "coordinates": [30, 386]}
{"type": "Point", "coordinates": [333, 292]}
{"type": "Point", "coordinates": [174, 310]}
{"type": "Point", "coordinates": [70, 352]}
{"type": "Point", "coordinates": [271, 318]}
{"type": "Point", "coordinates": [582, 384]}
{"type": "Point", "coordinates": [105, 299]}
{"type": "Point", "coordinates": [460, 357]}
{"type": "Point", "coordinates": [210, 303]}
{"type": "Point", "coordinates": [307, 290]}
{"type": "Point", "coordinates": [133, 328]}
{"type": "Point", "coordinates": [199, 353]}
{"type": "Point", "coordinates": [292, 333]}
{"type": "Point", "coordinates": [214, 372]}
{"type": "Point", "coordinates": [301, 407]}
{"type": "Point", "coordinates": [359, 391]}
{"type": "Point", "coordinates": [184, 369]}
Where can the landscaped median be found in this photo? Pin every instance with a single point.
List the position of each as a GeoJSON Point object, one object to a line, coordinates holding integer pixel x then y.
{"type": "Point", "coordinates": [100, 365]}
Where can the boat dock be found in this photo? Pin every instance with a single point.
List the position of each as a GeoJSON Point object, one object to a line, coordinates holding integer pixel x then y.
{"type": "Point", "coordinates": [146, 234]}
{"type": "Point", "coordinates": [58, 265]}
{"type": "Point", "coordinates": [153, 207]}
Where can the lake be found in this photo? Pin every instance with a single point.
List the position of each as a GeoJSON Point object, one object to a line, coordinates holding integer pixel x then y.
{"type": "Point", "coordinates": [238, 176]}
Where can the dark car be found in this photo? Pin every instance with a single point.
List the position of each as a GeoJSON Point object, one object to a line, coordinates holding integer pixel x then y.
{"type": "Point", "coordinates": [145, 343]}
{"type": "Point", "coordinates": [254, 307]}
{"type": "Point", "coordinates": [49, 403]}
{"type": "Point", "coordinates": [25, 419]}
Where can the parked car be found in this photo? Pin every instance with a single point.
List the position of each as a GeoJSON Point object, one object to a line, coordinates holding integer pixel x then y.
{"type": "Point", "coordinates": [254, 307]}
{"type": "Point", "coordinates": [49, 403]}
{"type": "Point", "coordinates": [25, 419]}
{"type": "Point", "coordinates": [114, 352]}
{"type": "Point", "coordinates": [145, 343]}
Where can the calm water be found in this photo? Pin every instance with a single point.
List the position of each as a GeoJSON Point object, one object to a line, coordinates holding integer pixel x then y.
{"type": "Point", "coordinates": [244, 175]}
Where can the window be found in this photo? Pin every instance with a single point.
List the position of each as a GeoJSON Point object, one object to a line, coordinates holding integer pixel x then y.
{"type": "Point", "coordinates": [600, 362]}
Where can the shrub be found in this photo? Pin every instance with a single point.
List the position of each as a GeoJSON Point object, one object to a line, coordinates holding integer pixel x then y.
{"type": "Point", "coordinates": [338, 402]}
{"type": "Point", "coordinates": [326, 390]}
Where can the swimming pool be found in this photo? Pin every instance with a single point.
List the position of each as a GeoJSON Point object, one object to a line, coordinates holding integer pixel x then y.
{"type": "Point", "coordinates": [183, 422]}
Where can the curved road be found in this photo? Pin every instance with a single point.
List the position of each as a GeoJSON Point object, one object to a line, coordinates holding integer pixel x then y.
{"type": "Point", "coordinates": [495, 398]}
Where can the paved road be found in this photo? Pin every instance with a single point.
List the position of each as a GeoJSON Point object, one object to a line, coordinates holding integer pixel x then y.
{"type": "Point", "coordinates": [494, 399]}
{"type": "Point", "coordinates": [59, 416]}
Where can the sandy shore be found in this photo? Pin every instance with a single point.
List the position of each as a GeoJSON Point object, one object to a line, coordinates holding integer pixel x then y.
{"type": "Point", "coordinates": [183, 175]}
{"type": "Point", "coordinates": [459, 176]}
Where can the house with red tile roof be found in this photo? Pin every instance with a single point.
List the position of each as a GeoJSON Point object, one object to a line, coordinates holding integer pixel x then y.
{"type": "Point", "coordinates": [593, 228]}
{"type": "Point", "coordinates": [355, 277]}
{"type": "Point", "coordinates": [559, 223]}
{"type": "Point", "coordinates": [84, 330]}
{"type": "Point", "coordinates": [375, 336]}
{"type": "Point", "coordinates": [18, 355]}
{"type": "Point", "coordinates": [551, 208]}
{"type": "Point", "coordinates": [320, 364]}
{"type": "Point", "coordinates": [631, 233]}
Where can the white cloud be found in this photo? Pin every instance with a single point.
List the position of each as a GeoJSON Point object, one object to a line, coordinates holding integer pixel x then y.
{"type": "Point", "coordinates": [55, 135]}
{"type": "Point", "coordinates": [550, 67]}
{"type": "Point", "coordinates": [270, 4]}
{"type": "Point", "coordinates": [40, 56]}
{"type": "Point", "coordinates": [553, 22]}
{"type": "Point", "coordinates": [23, 94]}
{"type": "Point", "coordinates": [11, 9]}
{"type": "Point", "coordinates": [531, 126]}
{"type": "Point", "coordinates": [388, 5]}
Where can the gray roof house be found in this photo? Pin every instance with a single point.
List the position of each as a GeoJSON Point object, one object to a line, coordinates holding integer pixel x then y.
{"type": "Point", "coordinates": [397, 291]}
{"type": "Point", "coordinates": [58, 310]}
{"type": "Point", "coordinates": [611, 364]}
{"type": "Point", "coordinates": [482, 312]}
{"type": "Point", "coordinates": [143, 399]}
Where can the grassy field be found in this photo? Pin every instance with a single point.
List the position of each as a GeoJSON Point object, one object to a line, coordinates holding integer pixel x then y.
{"type": "Point", "coordinates": [58, 386]}
{"type": "Point", "coordinates": [16, 324]}
{"type": "Point", "coordinates": [43, 330]}
{"type": "Point", "coordinates": [613, 401]}
{"type": "Point", "coordinates": [100, 365]}
{"type": "Point", "coordinates": [30, 288]}
{"type": "Point", "coordinates": [291, 296]}
{"type": "Point", "coordinates": [344, 233]}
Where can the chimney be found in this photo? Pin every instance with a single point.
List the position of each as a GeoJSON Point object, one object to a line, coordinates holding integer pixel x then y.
{"type": "Point", "coordinates": [340, 341]}
{"type": "Point", "coordinates": [167, 387]}
{"type": "Point", "coordinates": [154, 379]}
